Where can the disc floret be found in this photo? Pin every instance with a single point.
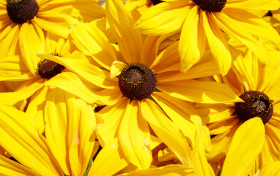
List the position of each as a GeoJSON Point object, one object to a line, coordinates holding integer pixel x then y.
{"type": "Point", "coordinates": [256, 104]}
{"type": "Point", "coordinates": [21, 11]}
{"type": "Point", "coordinates": [137, 81]}
{"type": "Point", "coordinates": [211, 5]}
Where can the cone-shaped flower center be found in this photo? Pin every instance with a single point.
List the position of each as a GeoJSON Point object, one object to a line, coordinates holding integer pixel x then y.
{"type": "Point", "coordinates": [211, 5]}
{"type": "Point", "coordinates": [21, 11]}
{"type": "Point", "coordinates": [256, 104]}
{"type": "Point", "coordinates": [137, 81]}
{"type": "Point", "coordinates": [48, 69]}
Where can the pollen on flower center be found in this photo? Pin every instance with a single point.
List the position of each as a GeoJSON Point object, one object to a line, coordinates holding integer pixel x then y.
{"type": "Point", "coordinates": [48, 69]}
{"type": "Point", "coordinates": [21, 11]}
{"type": "Point", "coordinates": [256, 104]}
{"type": "Point", "coordinates": [137, 81]}
{"type": "Point", "coordinates": [211, 5]}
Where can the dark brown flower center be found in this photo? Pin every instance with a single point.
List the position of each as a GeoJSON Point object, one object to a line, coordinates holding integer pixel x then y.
{"type": "Point", "coordinates": [256, 104]}
{"type": "Point", "coordinates": [155, 2]}
{"type": "Point", "coordinates": [137, 81]}
{"type": "Point", "coordinates": [21, 11]}
{"type": "Point", "coordinates": [211, 5]}
{"type": "Point", "coordinates": [48, 69]}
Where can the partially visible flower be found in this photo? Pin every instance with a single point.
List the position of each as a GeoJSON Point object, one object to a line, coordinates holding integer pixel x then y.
{"type": "Point", "coordinates": [245, 135]}
{"type": "Point", "coordinates": [24, 23]}
{"type": "Point", "coordinates": [34, 88]}
{"type": "Point", "coordinates": [201, 23]}
{"type": "Point", "coordinates": [67, 145]}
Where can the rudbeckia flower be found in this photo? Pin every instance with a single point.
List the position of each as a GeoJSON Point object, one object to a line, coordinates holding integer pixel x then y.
{"type": "Point", "coordinates": [65, 149]}
{"type": "Point", "coordinates": [32, 92]}
{"type": "Point", "coordinates": [245, 135]}
{"type": "Point", "coordinates": [202, 22]}
{"type": "Point", "coordinates": [144, 90]}
{"type": "Point", "coordinates": [24, 22]}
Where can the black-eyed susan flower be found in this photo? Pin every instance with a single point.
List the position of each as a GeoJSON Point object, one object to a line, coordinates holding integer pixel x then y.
{"type": "Point", "coordinates": [66, 147]}
{"type": "Point", "coordinates": [24, 22]}
{"type": "Point", "coordinates": [143, 88]}
{"type": "Point", "coordinates": [202, 22]}
{"type": "Point", "coordinates": [34, 88]}
{"type": "Point", "coordinates": [245, 135]}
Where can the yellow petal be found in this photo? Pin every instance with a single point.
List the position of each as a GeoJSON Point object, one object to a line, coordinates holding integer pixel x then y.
{"type": "Point", "coordinates": [77, 63]}
{"type": "Point", "coordinates": [24, 143]}
{"type": "Point", "coordinates": [163, 18]}
{"type": "Point", "coordinates": [246, 144]}
{"type": "Point", "coordinates": [13, 69]}
{"type": "Point", "coordinates": [228, 25]}
{"type": "Point", "coordinates": [133, 130]}
{"type": "Point", "coordinates": [32, 42]}
{"type": "Point", "coordinates": [271, 169]}
{"type": "Point", "coordinates": [130, 41]}
{"type": "Point", "coordinates": [254, 5]}
{"type": "Point", "coordinates": [69, 82]}
{"type": "Point", "coordinates": [111, 115]}
{"type": "Point", "coordinates": [9, 167]}
{"type": "Point", "coordinates": [169, 170]}
{"type": "Point", "coordinates": [192, 41]}
{"type": "Point", "coordinates": [109, 161]}
{"type": "Point", "coordinates": [9, 40]}
{"type": "Point", "coordinates": [25, 91]}
{"type": "Point", "coordinates": [116, 68]}
{"type": "Point", "coordinates": [217, 43]}
{"type": "Point", "coordinates": [92, 42]}
{"type": "Point", "coordinates": [199, 91]}
{"type": "Point", "coordinates": [166, 130]}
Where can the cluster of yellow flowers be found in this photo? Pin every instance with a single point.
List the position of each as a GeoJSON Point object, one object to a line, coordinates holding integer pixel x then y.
{"type": "Point", "coordinates": [140, 87]}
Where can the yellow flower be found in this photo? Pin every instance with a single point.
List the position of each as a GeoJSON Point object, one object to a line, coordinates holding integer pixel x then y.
{"type": "Point", "coordinates": [143, 88]}
{"type": "Point", "coordinates": [24, 22]}
{"type": "Point", "coordinates": [245, 135]}
{"type": "Point", "coordinates": [67, 145]}
{"type": "Point", "coordinates": [201, 23]}
{"type": "Point", "coordinates": [35, 88]}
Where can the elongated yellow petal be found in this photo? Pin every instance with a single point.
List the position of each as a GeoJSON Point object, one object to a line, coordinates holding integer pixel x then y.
{"type": "Point", "coordinates": [199, 91]}
{"type": "Point", "coordinates": [192, 40]}
{"type": "Point", "coordinates": [166, 130]}
{"type": "Point", "coordinates": [250, 135]}
{"type": "Point", "coordinates": [77, 63]}
{"type": "Point", "coordinates": [23, 142]}
{"type": "Point", "coordinates": [217, 43]}
{"type": "Point", "coordinates": [32, 41]}
{"type": "Point", "coordinates": [9, 39]}
{"type": "Point", "coordinates": [25, 91]}
{"type": "Point", "coordinates": [69, 130]}
{"type": "Point", "coordinates": [271, 169]}
{"type": "Point", "coordinates": [54, 22]}
{"type": "Point", "coordinates": [132, 133]}
{"type": "Point", "coordinates": [71, 83]}
{"type": "Point", "coordinates": [109, 161]}
{"type": "Point", "coordinates": [92, 42]}
{"type": "Point", "coordinates": [164, 18]}
{"type": "Point", "coordinates": [228, 24]}
{"type": "Point", "coordinates": [111, 115]}
{"type": "Point", "coordinates": [9, 167]}
{"type": "Point", "coordinates": [13, 69]}
{"type": "Point", "coordinates": [81, 134]}
{"type": "Point", "coordinates": [169, 170]}
{"type": "Point", "coordinates": [130, 41]}
{"type": "Point", "coordinates": [167, 60]}
{"type": "Point", "coordinates": [254, 5]}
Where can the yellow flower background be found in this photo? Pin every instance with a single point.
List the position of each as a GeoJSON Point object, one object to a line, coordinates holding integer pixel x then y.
{"type": "Point", "coordinates": [140, 87]}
